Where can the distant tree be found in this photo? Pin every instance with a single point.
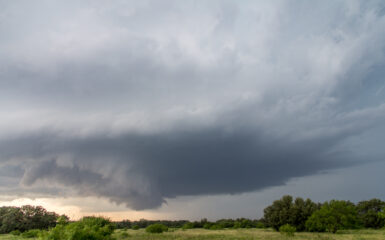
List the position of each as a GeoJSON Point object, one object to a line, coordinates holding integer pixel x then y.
{"type": "Point", "coordinates": [124, 224]}
{"type": "Point", "coordinates": [11, 218]}
{"type": "Point", "coordinates": [301, 210]}
{"type": "Point", "coordinates": [333, 216]}
{"type": "Point", "coordinates": [38, 217]}
{"type": "Point", "coordinates": [368, 212]}
{"type": "Point", "coordinates": [285, 211]}
{"type": "Point", "coordinates": [225, 223]}
{"type": "Point", "coordinates": [279, 212]}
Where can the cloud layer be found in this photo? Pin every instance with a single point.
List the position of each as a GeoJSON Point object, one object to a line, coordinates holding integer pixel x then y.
{"type": "Point", "coordinates": [143, 102]}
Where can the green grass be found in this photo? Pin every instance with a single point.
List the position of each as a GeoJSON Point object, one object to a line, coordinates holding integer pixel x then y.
{"type": "Point", "coordinates": [237, 234]}
{"type": "Point", "coordinates": [243, 234]}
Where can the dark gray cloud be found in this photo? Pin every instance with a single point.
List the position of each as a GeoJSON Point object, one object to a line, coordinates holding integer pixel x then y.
{"type": "Point", "coordinates": [142, 170]}
{"type": "Point", "coordinates": [143, 102]}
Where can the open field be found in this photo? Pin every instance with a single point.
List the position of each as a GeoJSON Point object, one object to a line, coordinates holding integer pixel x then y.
{"type": "Point", "coordinates": [243, 234]}
{"type": "Point", "coordinates": [239, 234]}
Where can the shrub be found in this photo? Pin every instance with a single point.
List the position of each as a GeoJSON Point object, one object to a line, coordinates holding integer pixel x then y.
{"type": "Point", "coordinates": [216, 227]}
{"type": "Point", "coordinates": [124, 235]}
{"type": "Point", "coordinates": [15, 232]}
{"type": "Point", "coordinates": [207, 225]}
{"type": "Point", "coordinates": [260, 225]}
{"type": "Point", "coordinates": [33, 233]}
{"type": "Point", "coordinates": [381, 214]}
{"type": "Point", "coordinates": [188, 225]}
{"type": "Point", "coordinates": [333, 216]}
{"type": "Point", "coordinates": [288, 230]}
{"type": "Point", "coordinates": [237, 225]}
{"type": "Point", "coordinates": [156, 228]}
{"type": "Point", "coordinates": [135, 227]}
{"type": "Point", "coordinates": [93, 228]}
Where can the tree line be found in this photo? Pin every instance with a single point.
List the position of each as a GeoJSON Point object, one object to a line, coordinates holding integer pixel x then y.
{"type": "Point", "coordinates": [305, 215]}
{"type": "Point", "coordinates": [300, 214]}
{"type": "Point", "coordinates": [26, 218]}
{"type": "Point", "coordinates": [287, 214]}
{"type": "Point", "coordinates": [185, 224]}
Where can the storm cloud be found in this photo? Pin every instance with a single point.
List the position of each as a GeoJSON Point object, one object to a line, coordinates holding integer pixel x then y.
{"type": "Point", "coordinates": [143, 102]}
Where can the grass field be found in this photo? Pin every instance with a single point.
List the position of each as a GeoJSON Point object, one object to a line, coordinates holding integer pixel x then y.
{"type": "Point", "coordinates": [239, 234]}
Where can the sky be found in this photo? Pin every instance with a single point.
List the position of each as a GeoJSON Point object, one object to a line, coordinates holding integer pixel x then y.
{"type": "Point", "coordinates": [190, 109]}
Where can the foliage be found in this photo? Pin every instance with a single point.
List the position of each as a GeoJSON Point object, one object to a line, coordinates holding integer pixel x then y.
{"type": "Point", "coordinates": [260, 224]}
{"type": "Point", "coordinates": [237, 225]}
{"type": "Point", "coordinates": [188, 225]}
{"type": "Point", "coordinates": [333, 216]}
{"type": "Point", "coordinates": [88, 228]}
{"type": "Point", "coordinates": [143, 223]}
{"type": "Point", "coordinates": [381, 214]}
{"type": "Point", "coordinates": [33, 233]}
{"type": "Point", "coordinates": [15, 232]}
{"type": "Point", "coordinates": [216, 227]}
{"type": "Point", "coordinates": [25, 218]}
{"type": "Point", "coordinates": [288, 230]}
{"type": "Point", "coordinates": [156, 228]}
{"type": "Point", "coordinates": [285, 211]}
{"type": "Point", "coordinates": [207, 225]}
{"type": "Point", "coordinates": [253, 233]}
{"type": "Point", "coordinates": [63, 220]}
{"type": "Point", "coordinates": [368, 212]}
{"type": "Point", "coordinates": [135, 227]}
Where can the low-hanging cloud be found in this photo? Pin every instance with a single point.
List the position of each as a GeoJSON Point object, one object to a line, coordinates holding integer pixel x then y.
{"type": "Point", "coordinates": [144, 102]}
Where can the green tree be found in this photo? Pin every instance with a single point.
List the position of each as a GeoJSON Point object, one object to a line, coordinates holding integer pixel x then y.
{"type": "Point", "coordinates": [11, 218]}
{"type": "Point", "coordinates": [301, 210]}
{"type": "Point", "coordinates": [279, 212]}
{"type": "Point", "coordinates": [285, 211]}
{"type": "Point", "coordinates": [333, 216]}
{"type": "Point", "coordinates": [368, 213]}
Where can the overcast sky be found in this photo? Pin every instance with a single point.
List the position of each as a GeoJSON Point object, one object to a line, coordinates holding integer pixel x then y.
{"type": "Point", "coordinates": [190, 109]}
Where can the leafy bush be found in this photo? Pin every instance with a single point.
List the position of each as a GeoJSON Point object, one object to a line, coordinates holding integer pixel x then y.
{"type": "Point", "coordinates": [237, 225]}
{"type": "Point", "coordinates": [288, 230]}
{"type": "Point", "coordinates": [246, 223]}
{"type": "Point", "coordinates": [15, 232]}
{"type": "Point", "coordinates": [156, 228]}
{"type": "Point", "coordinates": [33, 233]}
{"type": "Point", "coordinates": [260, 225]}
{"type": "Point", "coordinates": [188, 225]}
{"type": "Point", "coordinates": [381, 214]}
{"type": "Point", "coordinates": [135, 227]}
{"type": "Point", "coordinates": [92, 228]}
{"type": "Point", "coordinates": [207, 225]}
{"type": "Point", "coordinates": [216, 227]}
{"type": "Point", "coordinates": [124, 235]}
{"type": "Point", "coordinates": [333, 216]}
